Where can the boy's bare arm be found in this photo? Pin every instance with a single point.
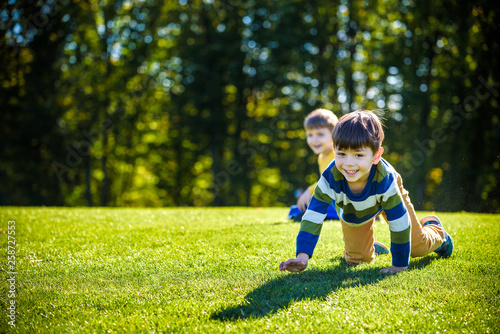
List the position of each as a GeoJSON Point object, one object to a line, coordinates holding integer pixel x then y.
{"type": "Point", "coordinates": [295, 265]}
{"type": "Point", "coordinates": [303, 200]}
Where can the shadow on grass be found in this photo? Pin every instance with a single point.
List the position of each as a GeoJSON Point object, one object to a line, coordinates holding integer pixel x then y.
{"type": "Point", "coordinates": [311, 284]}
{"type": "Point", "coordinates": [421, 262]}
{"type": "Point", "coordinates": [278, 294]}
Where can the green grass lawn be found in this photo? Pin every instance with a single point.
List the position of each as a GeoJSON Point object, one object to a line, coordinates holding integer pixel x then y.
{"type": "Point", "coordinates": [216, 270]}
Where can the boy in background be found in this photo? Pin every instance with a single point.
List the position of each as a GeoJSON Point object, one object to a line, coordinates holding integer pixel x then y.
{"type": "Point", "coordinates": [319, 125]}
{"type": "Point", "coordinates": [362, 185]}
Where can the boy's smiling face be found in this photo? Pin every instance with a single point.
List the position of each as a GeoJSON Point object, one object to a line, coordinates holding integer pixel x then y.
{"type": "Point", "coordinates": [319, 140]}
{"type": "Point", "coordinates": [356, 164]}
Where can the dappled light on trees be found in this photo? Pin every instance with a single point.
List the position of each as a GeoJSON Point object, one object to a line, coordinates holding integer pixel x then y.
{"type": "Point", "coordinates": [173, 103]}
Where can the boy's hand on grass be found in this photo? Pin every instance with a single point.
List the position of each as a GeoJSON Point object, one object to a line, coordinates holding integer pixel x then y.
{"type": "Point", "coordinates": [303, 200]}
{"type": "Point", "coordinates": [393, 270]}
{"type": "Point", "coordinates": [295, 265]}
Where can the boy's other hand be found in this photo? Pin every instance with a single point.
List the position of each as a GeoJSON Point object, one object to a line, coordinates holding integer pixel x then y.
{"type": "Point", "coordinates": [303, 200]}
{"type": "Point", "coordinates": [295, 265]}
{"type": "Point", "coordinates": [393, 270]}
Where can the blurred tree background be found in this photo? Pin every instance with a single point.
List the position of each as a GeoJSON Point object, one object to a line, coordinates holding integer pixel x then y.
{"type": "Point", "coordinates": [179, 102]}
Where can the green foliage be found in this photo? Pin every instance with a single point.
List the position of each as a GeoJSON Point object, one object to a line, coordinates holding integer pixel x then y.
{"type": "Point", "coordinates": [163, 103]}
{"type": "Point", "coordinates": [216, 270]}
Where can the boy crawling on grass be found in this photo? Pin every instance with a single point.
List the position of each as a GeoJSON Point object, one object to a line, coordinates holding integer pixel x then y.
{"type": "Point", "coordinates": [362, 184]}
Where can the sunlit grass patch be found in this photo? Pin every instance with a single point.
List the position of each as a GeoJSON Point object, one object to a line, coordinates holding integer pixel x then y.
{"type": "Point", "coordinates": [215, 270]}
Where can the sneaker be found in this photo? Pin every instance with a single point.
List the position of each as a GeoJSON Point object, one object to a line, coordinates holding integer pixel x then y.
{"type": "Point", "coordinates": [295, 213]}
{"type": "Point", "coordinates": [446, 247]}
{"type": "Point", "coordinates": [380, 248]}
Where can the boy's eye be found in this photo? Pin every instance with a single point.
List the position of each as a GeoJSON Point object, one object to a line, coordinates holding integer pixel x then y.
{"type": "Point", "coordinates": [360, 155]}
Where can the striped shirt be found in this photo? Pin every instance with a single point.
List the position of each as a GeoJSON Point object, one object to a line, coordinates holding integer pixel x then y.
{"type": "Point", "coordinates": [381, 193]}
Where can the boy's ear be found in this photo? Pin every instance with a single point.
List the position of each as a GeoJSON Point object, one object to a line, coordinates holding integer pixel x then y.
{"type": "Point", "coordinates": [378, 155]}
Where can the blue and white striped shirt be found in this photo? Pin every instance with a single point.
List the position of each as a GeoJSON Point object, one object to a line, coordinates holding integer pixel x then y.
{"type": "Point", "coordinates": [381, 193]}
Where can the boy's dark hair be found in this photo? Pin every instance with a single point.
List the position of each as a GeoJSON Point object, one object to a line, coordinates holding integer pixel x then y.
{"type": "Point", "coordinates": [358, 129]}
{"type": "Point", "coordinates": [321, 118]}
